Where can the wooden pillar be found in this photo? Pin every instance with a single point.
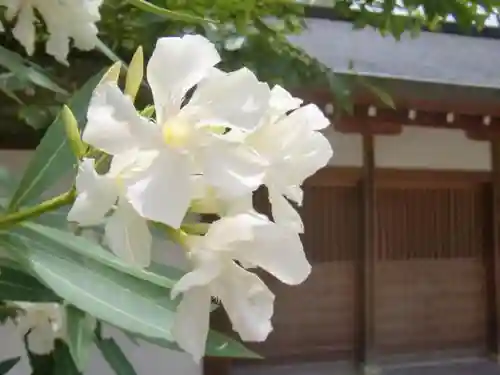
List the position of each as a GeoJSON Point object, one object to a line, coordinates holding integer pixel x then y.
{"type": "Point", "coordinates": [493, 256]}
{"type": "Point", "coordinates": [365, 269]}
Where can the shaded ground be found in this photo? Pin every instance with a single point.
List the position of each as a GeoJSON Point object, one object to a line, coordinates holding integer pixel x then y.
{"type": "Point", "coordinates": [479, 367]}
{"type": "Point", "coordinates": [465, 367]}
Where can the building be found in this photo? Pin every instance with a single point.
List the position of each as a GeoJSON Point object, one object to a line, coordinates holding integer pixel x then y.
{"type": "Point", "coordinates": [403, 226]}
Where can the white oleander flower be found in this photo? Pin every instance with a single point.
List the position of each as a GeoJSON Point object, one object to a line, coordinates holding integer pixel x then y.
{"type": "Point", "coordinates": [65, 20]}
{"type": "Point", "coordinates": [294, 149]}
{"type": "Point", "coordinates": [220, 261]}
{"type": "Point", "coordinates": [43, 323]}
{"type": "Point", "coordinates": [183, 138]}
{"type": "Point", "coordinates": [126, 233]}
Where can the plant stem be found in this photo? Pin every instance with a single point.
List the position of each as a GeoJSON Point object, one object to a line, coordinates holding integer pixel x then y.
{"type": "Point", "coordinates": [171, 14]}
{"type": "Point", "coordinates": [14, 218]}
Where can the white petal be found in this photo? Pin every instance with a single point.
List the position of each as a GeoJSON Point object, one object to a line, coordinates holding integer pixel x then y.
{"type": "Point", "coordinates": [41, 338]}
{"type": "Point", "coordinates": [191, 322]}
{"type": "Point", "coordinates": [277, 250]}
{"type": "Point", "coordinates": [309, 116]}
{"type": "Point", "coordinates": [227, 230]}
{"type": "Point", "coordinates": [233, 170]}
{"type": "Point", "coordinates": [281, 101]}
{"type": "Point", "coordinates": [284, 213]}
{"type": "Point", "coordinates": [295, 193]}
{"type": "Point", "coordinates": [57, 45]}
{"type": "Point", "coordinates": [163, 191]}
{"type": "Point", "coordinates": [96, 196]}
{"type": "Point", "coordinates": [111, 118]}
{"type": "Point", "coordinates": [24, 31]}
{"type": "Point", "coordinates": [202, 275]}
{"type": "Point", "coordinates": [239, 205]}
{"type": "Point", "coordinates": [176, 65]}
{"type": "Point", "coordinates": [128, 235]}
{"type": "Point", "coordinates": [237, 99]}
{"type": "Point", "coordinates": [308, 156]}
{"type": "Point", "coordinates": [248, 302]}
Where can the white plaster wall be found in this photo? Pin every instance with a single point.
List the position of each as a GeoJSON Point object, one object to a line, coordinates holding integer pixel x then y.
{"type": "Point", "coordinates": [147, 359]}
{"type": "Point", "coordinates": [428, 148]}
{"type": "Point", "coordinates": [415, 148]}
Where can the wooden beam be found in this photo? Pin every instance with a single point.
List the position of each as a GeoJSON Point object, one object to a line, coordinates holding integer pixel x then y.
{"type": "Point", "coordinates": [493, 256]}
{"type": "Point", "coordinates": [366, 260]}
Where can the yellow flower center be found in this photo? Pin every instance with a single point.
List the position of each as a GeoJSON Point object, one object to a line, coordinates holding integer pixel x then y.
{"type": "Point", "coordinates": [176, 134]}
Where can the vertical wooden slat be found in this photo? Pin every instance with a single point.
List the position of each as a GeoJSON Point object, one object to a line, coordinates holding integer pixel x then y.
{"type": "Point", "coordinates": [367, 258]}
{"type": "Point", "coordinates": [492, 257]}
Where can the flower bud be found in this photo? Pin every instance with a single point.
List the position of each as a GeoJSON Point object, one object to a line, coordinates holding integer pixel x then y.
{"type": "Point", "coordinates": [134, 74]}
{"type": "Point", "coordinates": [72, 132]}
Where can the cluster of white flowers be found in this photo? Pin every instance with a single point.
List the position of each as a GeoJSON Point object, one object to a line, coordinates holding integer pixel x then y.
{"type": "Point", "coordinates": [41, 324]}
{"type": "Point", "coordinates": [207, 151]}
{"type": "Point", "coordinates": [64, 20]}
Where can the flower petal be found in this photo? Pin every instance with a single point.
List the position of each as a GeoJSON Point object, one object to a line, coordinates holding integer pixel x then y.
{"type": "Point", "coordinates": [128, 235]}
{"type": "Point", "coordinates": [41, 338]}
{"type": "Point", "coordinates": [248, 302]}
{"type": "Point", "coordinates": [191, 322]}
{"type": "Point", "coordinates": [309, 116]}
{"type": "Point", "coordinates": [111, 118]}
{"type": "Point", "coordinates": [308, 156]}
{"type": "Point", "coordinates": [162, 192]}
{"type": "Point", "coordinates": [237, 100]}
{"type": "Point", "coordinates": [202, 275]}
{"type": "Point", "coordinates": [96, 195]}
{"type": "Point", "coordinates": [24, 31]}
{"type": "Point", "coordinates": [233, 170]}
{"type": "Point", "coordinates": [283, 212]}
{"type": "Point", "coordinates": [176, 65]}
{"type": "Point", "coordinates": [223, 232]}
{"type": "Point", "coordinates": [281, 101]}
{"type": "Point", "coordinates": [276, 249]}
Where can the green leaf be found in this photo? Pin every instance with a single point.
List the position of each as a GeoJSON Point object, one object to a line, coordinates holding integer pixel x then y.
{"type": "Point", "coordinates": [16, 285]}
{"type": "Point", "coordinates": [53, 157]}
{"type": "Point", "coordinates": [19, 66]}
{"type": "Point", "coordinates": [170, 14]}
{"type": "Point", "coordinates": [115, 357]}
{"type": "Point", "coordinates": [384, 96]}
{"type": "Point", "coordinates": [63, 361]}
{"type": "Point", "coordinates": [107, 294]}
{"type": "Point", "coordinates": [218, 345]}
{"type": "Point", "coordinates": [80, 328]}
{"type": "Point", "coordinates": [8, 364]}
{"type": "Point", "coordinates": [81, 246]}
{"type": "Point", "coordinates": [7, 181]}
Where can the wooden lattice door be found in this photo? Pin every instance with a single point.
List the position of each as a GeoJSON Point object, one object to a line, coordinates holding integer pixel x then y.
{"type": "Point", "coordinates": [429, 279]}
{"type": "Point", "coordinates": [316, 320]}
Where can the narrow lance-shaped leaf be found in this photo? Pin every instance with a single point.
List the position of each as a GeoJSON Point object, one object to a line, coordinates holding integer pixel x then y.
{"type": "Point", "coordinates": [115, 357]}
{"type": "Point", "coordinates": [19, 286]}
{"type": "Point", "coordinates": [53, 157]}
{"type": "Point", "coordinates": [107, 294]}
{"type": "Point", "coordinates": [80, 328]}
{"type": "Point", "coordinates": [21, 68]}
{"type": "Point", "coordinates": [88, 249]}
{"type": "Point", "coordinates": [8, 364]}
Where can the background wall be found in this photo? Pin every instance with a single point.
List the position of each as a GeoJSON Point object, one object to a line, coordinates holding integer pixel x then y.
{"type": "Point", "coordinates": [415, 148]}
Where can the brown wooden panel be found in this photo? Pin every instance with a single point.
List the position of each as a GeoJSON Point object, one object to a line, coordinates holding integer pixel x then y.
{"type": "Point", "coordinates": [317, 317]}
{"type": "Point", "coordinates": [429, 304]}
{"type": "Point", "coordinates": [430, 223]}
{"type": "Point", "coordinates": [314, 317]}
{"type": "Point", "coordinates": [430, 282]}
